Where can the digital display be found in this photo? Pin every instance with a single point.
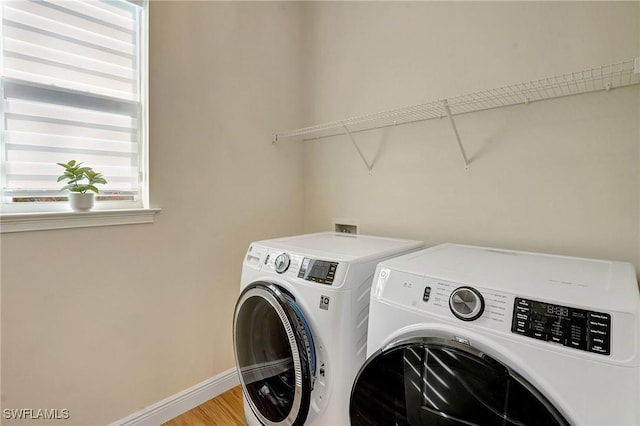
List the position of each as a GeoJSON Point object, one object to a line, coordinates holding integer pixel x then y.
{"type": "Point", "coordinates": [319, 271]}
{"type": "Point", "coordinates": [560, 311]}
{"type": "Point", "coordinates": [548, 311]}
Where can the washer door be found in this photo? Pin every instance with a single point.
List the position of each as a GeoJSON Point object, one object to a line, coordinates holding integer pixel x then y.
{"type": "Point", "coordinates": [429, 381]}
{"type": "Point", "coordinates": [275, 354]}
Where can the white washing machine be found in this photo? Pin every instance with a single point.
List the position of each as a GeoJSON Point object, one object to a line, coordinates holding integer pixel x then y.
{"type": "Point", "coordinates": [300, 324]}
{"type": "Point", "coordinates": [462, 335]}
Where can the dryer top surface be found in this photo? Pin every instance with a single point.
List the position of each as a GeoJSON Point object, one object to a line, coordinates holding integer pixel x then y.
{"type": "Point", "coordinates": [345, 247]}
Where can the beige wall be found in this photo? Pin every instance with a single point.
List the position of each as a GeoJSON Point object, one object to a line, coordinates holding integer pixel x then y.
{"type": "Point", "coordinates": [153, 315]}
{"type": "Point", "coordinates": [559, 176]}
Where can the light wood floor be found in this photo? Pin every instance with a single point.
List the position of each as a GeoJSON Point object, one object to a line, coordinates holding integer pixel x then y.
{"type": "Point", "coordinates": [223, 410]}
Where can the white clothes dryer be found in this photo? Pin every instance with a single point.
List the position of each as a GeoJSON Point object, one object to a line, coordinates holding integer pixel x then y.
{"type": "Point", "coordinates": [462, 335]}
{"type": "Point", "coordinates": [300, 324]}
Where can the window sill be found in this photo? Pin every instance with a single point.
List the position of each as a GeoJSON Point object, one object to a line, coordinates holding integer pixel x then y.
{"type": "Point", "coordinates": [22, 222]}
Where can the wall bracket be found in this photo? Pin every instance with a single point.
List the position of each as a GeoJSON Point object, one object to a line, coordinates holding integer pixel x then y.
{"type": "Point", "coordinates": [445, 104]}
{"type": "Point", "coordinates": [353, 141]}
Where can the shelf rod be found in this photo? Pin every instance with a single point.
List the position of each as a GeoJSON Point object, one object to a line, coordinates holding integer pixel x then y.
{"type": "Point", "coordinates": [353, 141]}
{"type": "Point", "coordinates": [445, 104]}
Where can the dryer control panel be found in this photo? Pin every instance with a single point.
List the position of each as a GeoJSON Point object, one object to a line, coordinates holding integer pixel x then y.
{"type": "Point", "coordinates": [577, 328]}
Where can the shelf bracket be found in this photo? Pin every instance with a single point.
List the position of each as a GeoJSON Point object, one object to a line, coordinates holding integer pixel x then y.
{"type": "Point", "coordinates": [445, 104]}
{"type": "Point", "coordinates": [353, 141]}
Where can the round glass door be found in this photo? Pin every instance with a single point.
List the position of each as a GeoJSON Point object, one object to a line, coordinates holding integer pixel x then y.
{"type": "Point", "coordinates": [440, 382]}
{"type": "Point", "coordinates": [274, 354]}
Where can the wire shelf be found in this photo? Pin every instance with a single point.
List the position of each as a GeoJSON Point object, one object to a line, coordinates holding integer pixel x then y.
{"type": "Point", "coordinates": [606, 77]}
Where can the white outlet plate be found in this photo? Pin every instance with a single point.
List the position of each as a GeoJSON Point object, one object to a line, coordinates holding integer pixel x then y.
{"type": "Point", "coordinates": [348, 226]}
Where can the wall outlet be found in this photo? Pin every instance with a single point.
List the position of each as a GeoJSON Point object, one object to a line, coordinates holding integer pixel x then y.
{"type": "Point", "coordinates": [346, 229]}
{"type": "Point", "coordinates": [346, 226]}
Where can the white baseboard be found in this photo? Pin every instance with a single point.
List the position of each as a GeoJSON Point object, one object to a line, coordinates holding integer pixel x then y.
{"type": "Point", "coordinates": [177, 404]}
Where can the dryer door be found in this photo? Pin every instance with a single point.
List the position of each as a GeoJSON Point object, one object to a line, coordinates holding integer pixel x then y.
{"type": "Point", "coordinates": [429, 381]}
{"type": "Point", "coordinates": [274, 353]}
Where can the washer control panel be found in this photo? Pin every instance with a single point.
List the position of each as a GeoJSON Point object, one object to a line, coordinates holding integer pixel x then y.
{"type": "Point", "coordinates": [576, 328]}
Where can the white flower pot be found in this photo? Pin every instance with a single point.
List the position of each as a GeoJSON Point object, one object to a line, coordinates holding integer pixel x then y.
{"type": "Point", "coordinates": [82, 202]}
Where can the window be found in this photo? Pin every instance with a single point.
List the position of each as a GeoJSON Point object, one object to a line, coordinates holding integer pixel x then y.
{"type": "Point", "coordinates": [73, 87]}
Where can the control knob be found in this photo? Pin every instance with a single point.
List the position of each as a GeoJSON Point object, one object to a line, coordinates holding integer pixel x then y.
{"type": "Point", "coordinates": [282, 262]}
{"type": "Point", "coordinates": [466, 303]}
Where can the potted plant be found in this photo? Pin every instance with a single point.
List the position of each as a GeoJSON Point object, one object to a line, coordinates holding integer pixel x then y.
{"type": "Point", "coordinates": [80, 181]}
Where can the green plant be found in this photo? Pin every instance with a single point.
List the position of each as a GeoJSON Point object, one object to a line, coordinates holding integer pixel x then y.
{"type": "Point", "coordinates": [80, 179]}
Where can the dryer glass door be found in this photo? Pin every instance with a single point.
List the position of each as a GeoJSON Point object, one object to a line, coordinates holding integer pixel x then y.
{"type": "Point", "coordinates": [274, 354]}
{"type": "Point", "coordinates": [438, 382]}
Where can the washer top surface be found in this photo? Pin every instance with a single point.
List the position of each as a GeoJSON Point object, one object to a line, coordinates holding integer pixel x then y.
{"type": "Point", "coordinates": [341, 246]}
{"type": "Point", "coordinates": [589, 282]}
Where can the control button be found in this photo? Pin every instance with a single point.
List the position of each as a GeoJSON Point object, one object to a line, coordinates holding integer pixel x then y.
{"type": "Point", "coordinates": [282, 262]}
{"type": "Point", "coordinates": [303, 267]}
{"type": "Point", "coordinates": [598, 331]}
{"type": "Point", "coordinates": [539, 335]}
{"type": "Point", "coordinates": [578, 344]}
{"type": "Point", "coordinates": [426, 294]}
{"type": "Point", "coordinates": [466, 303]}
{"type": "Point", "coordinates": [600, 349]}
{"type": "Point", "coordinates": [598, 335]}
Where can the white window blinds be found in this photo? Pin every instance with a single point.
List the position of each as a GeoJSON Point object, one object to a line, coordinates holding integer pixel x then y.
{"type": "Point", "coordinates": [71, 89]}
